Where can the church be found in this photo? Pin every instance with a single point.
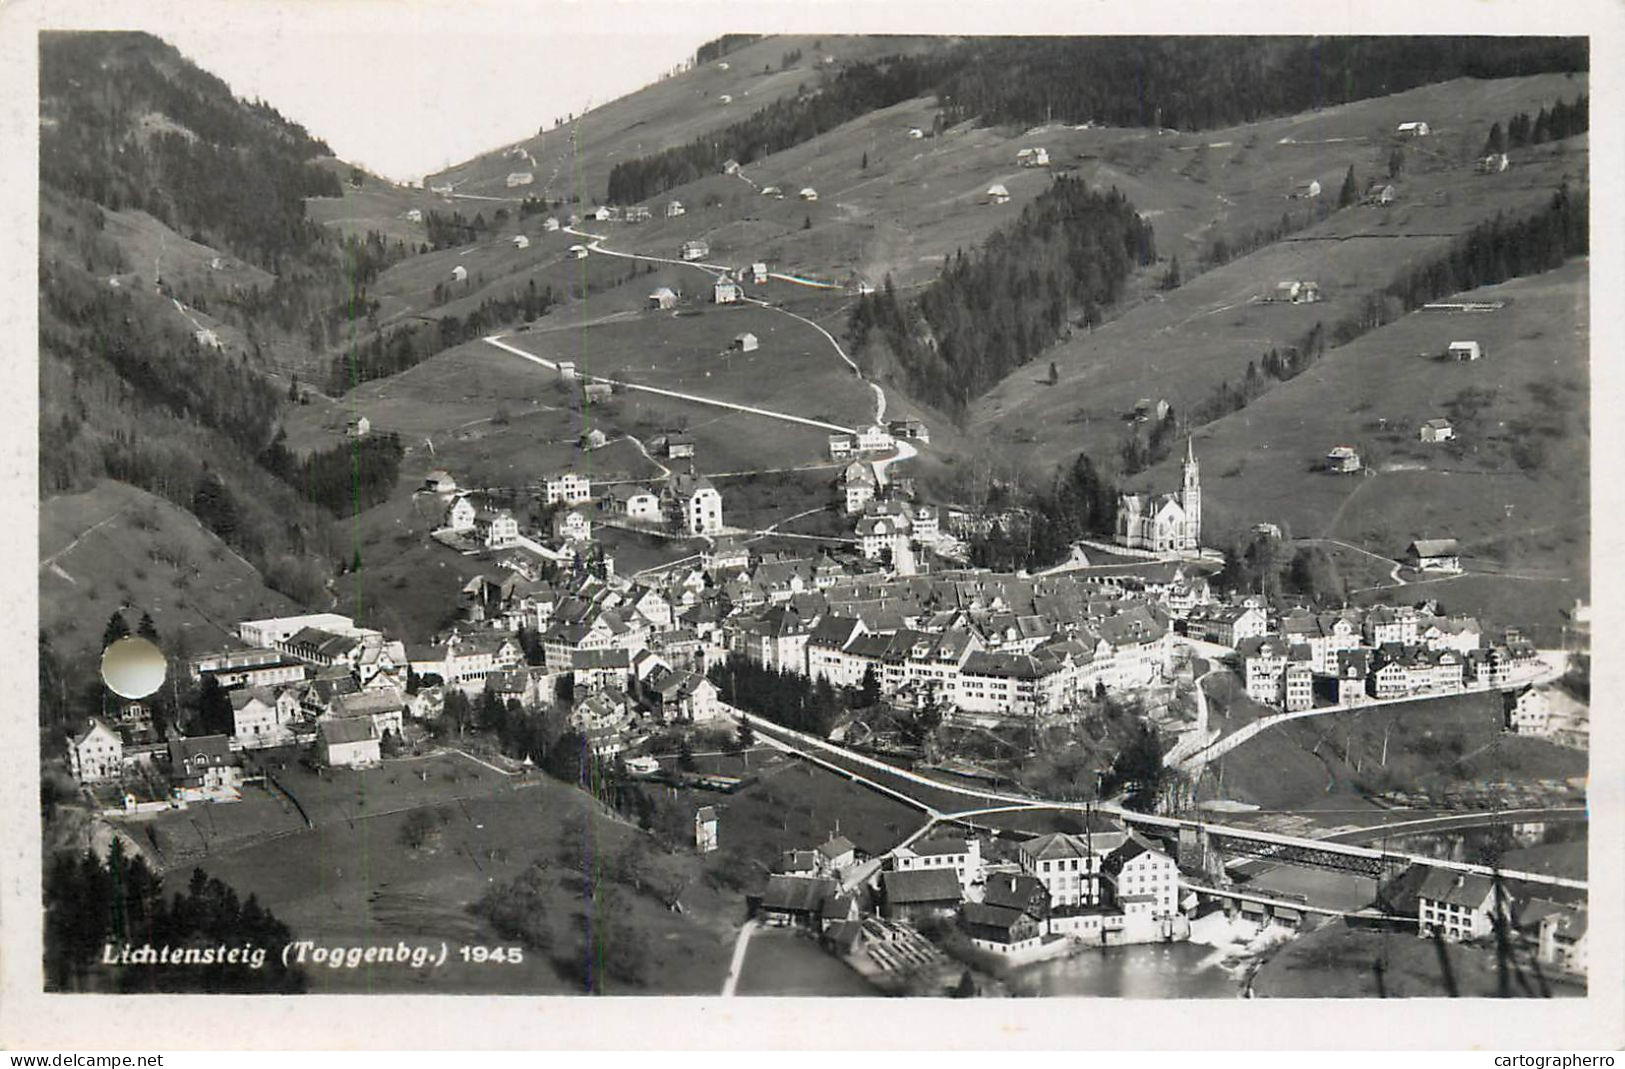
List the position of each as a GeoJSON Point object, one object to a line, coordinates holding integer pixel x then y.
{"type": "Point", "coordinates": [1164, 523]}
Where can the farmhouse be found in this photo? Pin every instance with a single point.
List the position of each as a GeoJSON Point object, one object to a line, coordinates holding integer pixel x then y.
{"type": "Point", "coordinates": [520, 241]}
{"type": "Point", "coordinates": [597, 392]}
{"type": "Point", "coordinates": [808, 193]}
{"type": "Point", "coordinates": [567, 369]}
{"type": "Point", "coordinates": [875, 439]}
{"type": "Point", "coordinates": [1436, 430]}
{"type": "Point", "coordinates": [674, 209]}
{"type": "Point", "coordinates": [1433, 555]}
{"type": "Point", "coordinates": [679, 445]}
{"type": "Point", "coordinates": [919, 893]}
{"type": "Point", "coordinates": [592, 439]}
{"type": "Point", "coordinates": [1412, 129]}
{"type": "Point", "coordinates": [758, 272]}
{"type": "Point", "coordinates": [1033, 157]}
{"type": "Point", "coordinates": [730, 166]}
{"type": "Point", "coordinates": [697, 501]}
{"type": "Point", "coordinates": [414, 215]}
{"type": "Point", "coordinates": [459, 273]}
{"type": "Point", "coordinates": [842, 446]}
{"type": "Point", "coordinates": [726, 291]}
{"type": "Point", "coordinates": [349, 743]}
{"type": "Point", "coordinates": [359, 427]}
{"type": "Point", "coordinates": [997, 194]}
{"type": "Point", "coordinates": [520, 178]}
{"type": "Point", "coordinates": [602, 214]}
{"type": "Point", "coordinates": [910, 428]}
{"type": "Point", "coordinates": [695, 249]}
{"type": "Point", "coordinates": [746, 342]}
{"type": "Point", "coordinates": [1343, 459]}
{"type": "Point", "coordinates": [1382, 193]}
{"type": "Point", "coordinates": [637, 213]}
{"type": "Point", "coordinates": [999, 929]}
{"type": "Point", "coordinates": [636, 503]}
{"type": "Point", "coordinates": [1297, 292]}
{"type": "Point", "coordinates": [460, 514]}
{"type": "Point", "coordinates": [577, 252]}
{"type": "Point", "coordinates": [663, 298]}
{"type": "Point", "coordinates": [550, 224]}
{"type": "Point", "coordinates": [915, 133]}
{"type": "Point", "coordinates": [1494, 163]}
{"type": "Point", "coordinates": [773, 191]}
{"type": "Point", "coordinates": [1464, 350]}
{"type": "Point", "coordinates": [1307, 190]}
{"type": "Point", "coordinates": [439, 481]}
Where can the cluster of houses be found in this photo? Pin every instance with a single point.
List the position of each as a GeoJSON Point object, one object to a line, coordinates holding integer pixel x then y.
{"type": "Point", "coordinates": [1350, 656]}
{"type": "Point", "coordinates": [1105, 885]}
{"type": "Point", "coordinates": [1468, 907]}
{"type": "Point", "coordinates": [685, 501]}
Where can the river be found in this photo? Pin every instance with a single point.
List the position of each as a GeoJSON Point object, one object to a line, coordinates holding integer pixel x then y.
{"type": "Point", "coordinates": [1147, 970]}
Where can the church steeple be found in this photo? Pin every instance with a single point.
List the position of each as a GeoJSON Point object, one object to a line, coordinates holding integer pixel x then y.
{"type": "Point", "coordinates": [1190, 498]}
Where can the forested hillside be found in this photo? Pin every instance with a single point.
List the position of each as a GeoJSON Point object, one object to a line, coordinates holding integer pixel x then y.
{"type": "Point", "coordinates": [1183, 83]}
{"type": "Point", "coordinates": [1063, 260]}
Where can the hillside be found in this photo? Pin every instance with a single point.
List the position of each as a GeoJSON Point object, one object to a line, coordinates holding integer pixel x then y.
{"type": "Point", "coordinates": [114, 546]}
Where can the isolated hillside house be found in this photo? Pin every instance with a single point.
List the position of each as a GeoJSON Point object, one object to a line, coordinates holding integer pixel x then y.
{"type": "Point", "coordinates": [808, 193]}
{"type": "Point", "coordinates": [1433, 555]}
{"type": "Point", "coordinates": [597, 392]}
{"type": "Point", "coordinates": [592, 439]}
{"type": "Point", "coordinates": [842, 446]}
{"type": "Point", "coordinates": [1306, 190]}
{"type": "Point", "coordinates": [1343, 460]}
{"type": "Point", "coordinates": [207, 338]}
{"type": "Point", "coordinates": [637, 213]}
{"type": "Point", "coordinates": [674, 209]}
{"type": "Point", "coordinates": [520, 241]}
{"type": "Point", "coordinates": [1033, 157]}
{"type": "Point", "coordinates": [439, 481]}
{"type": "Point", "coordinates": [678, 445]}
{"type": "Point", "coordinates": [1146, 409]}
{"type": "Point", "coordinates": [915, 133]}
{"type": "Point", "coordinates": [577, 252]}
{"type": "Point", "coordinates": [1380, 193]}
{"type": "Point", "coordinates": [1436, 430]}
{"type": "Point", "coordinates": [730, 166]}
{"type": "Point", "coordinates": [1464, 350]}
{"type": "Point", "coordinates": [520, 178]}
{"type": "Point", "coordinates": [758, 272]}
{"type": "Point", "coordinates": [1544, 711]}
{"type": "Point", "coordinates": [1297, 291]}
{"type": "Point", "coordinates": [726, 291]}
{"type": "Point", "coordinates": [663, 298]}
{"type": "Point", "coordinates": [1412, 129]}
{"type": "Point", "coordinates": [96, 755]}
{"type": "Point", "coordinates": [1494, 163]}
{"type": "Point", "coordinates": [997, 194]}
{"type": "Point", "coordinates": [348, 743]}
{"type": "Point", "coordinates": [567, 370]}
{"type": "Point", "coordinates": [725, 99]}
{"type": "Point", "coordinates": [910, 428]}
{"type": "Point", "coordinates": [695, 249]}
{"type": "Point", "coordinates": [745, 343]}
{"type": "Point", "coordinates": [773, 191]}
{"type": "Point", "coordinates": [459, 273]}
{"type": "Point", "coordinates": [414, 215]}
{"type": "Point", "coordinates": [359, 427]}
{"type": "Point", "coordinates": [550, 224]}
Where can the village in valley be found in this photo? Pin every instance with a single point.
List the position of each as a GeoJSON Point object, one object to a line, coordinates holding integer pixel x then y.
{"type": "Point", "coordinates": [710, 627]}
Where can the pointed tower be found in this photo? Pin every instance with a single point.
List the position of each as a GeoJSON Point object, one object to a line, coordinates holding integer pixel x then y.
{"type": "Point", "coordinates": [1190, 498]}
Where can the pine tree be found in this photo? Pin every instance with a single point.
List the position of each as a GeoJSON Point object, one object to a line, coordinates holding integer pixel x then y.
{"type": "Point", "coordinates": [1495, 144]}
{"type": "Point", "coordinates": [1350, 190]}
{"type": "Point", "coordinates": [147, 629]}
{"type": "Point", "coordinates": [116, 629]}
{"type": "Point", "coordinates": [864, 166]}
{"type": "Point", "coordinates": [1054, 373]}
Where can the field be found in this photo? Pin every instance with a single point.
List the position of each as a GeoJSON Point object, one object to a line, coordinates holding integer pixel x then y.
{"type": "Point", "coordinates": [1336, 961]}
{"type": "Point", "coordinates": [115, 546]}
{"type": "Point", "coordinates": [350, 881]}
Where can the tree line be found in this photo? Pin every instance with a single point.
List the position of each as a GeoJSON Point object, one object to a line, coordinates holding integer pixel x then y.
{"type": "Point", "coordinates": [1554, 124]}
{"type": "Point", "coordinates": [858, 89]}
{"type": "Point", "coordinates": [91, 904]}
{"type": "Point", "coordinates": [786, 698]}
{"type": "Point", "coordinates": [347, 479]}
{"type": "Point", "coordinates": [1189, 83]}
{"type": "Point", "coordinates": [1065, 258]}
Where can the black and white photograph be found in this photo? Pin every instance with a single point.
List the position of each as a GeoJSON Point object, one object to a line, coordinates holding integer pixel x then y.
{"type": "Point", "coordinates": [821, 513]}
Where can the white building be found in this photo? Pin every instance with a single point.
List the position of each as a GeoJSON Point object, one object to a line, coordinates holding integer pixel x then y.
{"type": "Point", "coordinates": [567, 487]}
{"type": "Point", "coordinates": [96, 755]}
{"type": "Point", "coordinates": [520, 241]}
{"type": "Point", "coordinates": [1464, 350]}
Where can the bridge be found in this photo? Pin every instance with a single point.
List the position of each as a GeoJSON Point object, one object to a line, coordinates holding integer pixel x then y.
{"type": "Point", "coordinates": [1203, 845]}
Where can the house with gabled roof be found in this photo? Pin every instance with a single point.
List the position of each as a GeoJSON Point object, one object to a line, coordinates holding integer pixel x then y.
{"type": "Point", "coordinates": [96, 754]}
{"type": "Point", "coordinates": [348, 743]}
{"type": "Point", "coordinates": [1433, 555]}
{"type": "Point", "coordinates": [919, 893]}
